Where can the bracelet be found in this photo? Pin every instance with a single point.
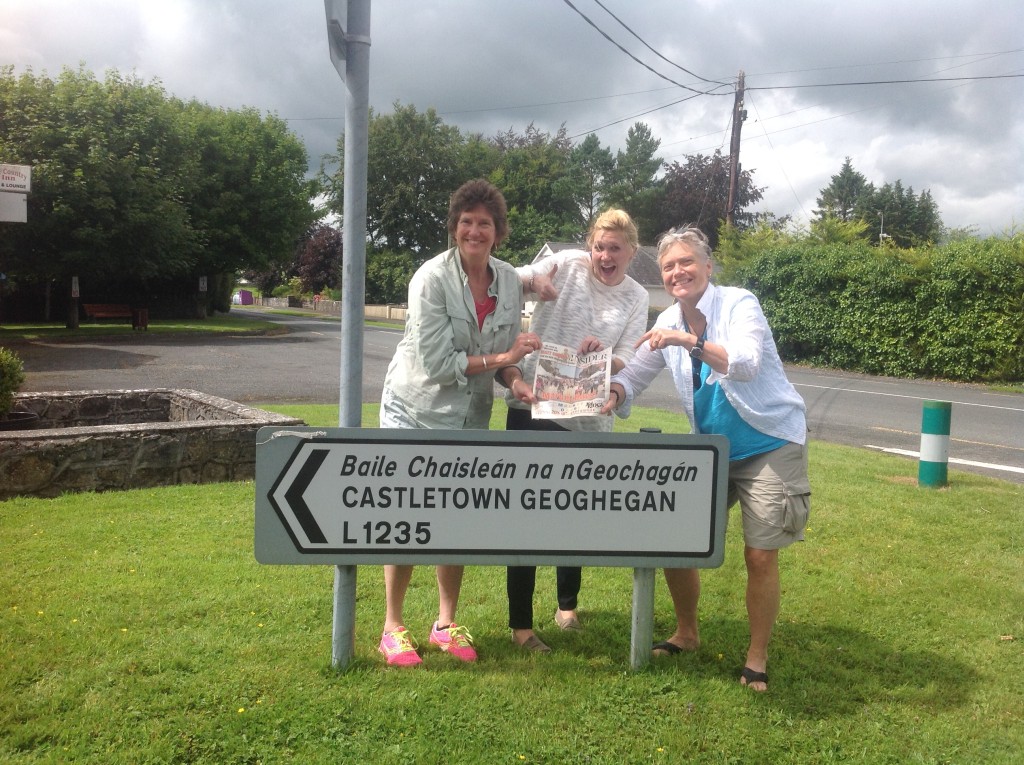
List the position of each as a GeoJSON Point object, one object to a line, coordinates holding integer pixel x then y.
{"type": "Point", "coordinates": [484, 359]}
{"type": "Point", "coordinates": [531, 282]}
{"type": "Point", "coordinates": [618, 398]}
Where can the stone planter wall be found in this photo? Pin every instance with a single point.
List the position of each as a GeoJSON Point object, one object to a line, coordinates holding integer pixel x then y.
{"type": "Point", "coordinates": [129, 439]}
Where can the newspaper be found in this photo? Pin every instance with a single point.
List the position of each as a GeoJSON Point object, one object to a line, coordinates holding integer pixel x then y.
{"type": "Point", "coordinates": [569, 384]}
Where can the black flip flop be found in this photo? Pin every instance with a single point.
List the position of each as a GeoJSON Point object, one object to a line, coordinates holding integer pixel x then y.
{"type": "Point", "coordinates": [752, 676]}
{"type": "Point", "coordinates": [670, 648]}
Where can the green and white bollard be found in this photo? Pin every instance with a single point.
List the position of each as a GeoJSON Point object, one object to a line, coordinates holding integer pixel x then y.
{"type": "Point", "coordinates": [933, 468]}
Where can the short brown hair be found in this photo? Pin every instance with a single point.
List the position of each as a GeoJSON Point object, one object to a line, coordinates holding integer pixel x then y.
{"type": "Point", "coordinates": [479, 193]}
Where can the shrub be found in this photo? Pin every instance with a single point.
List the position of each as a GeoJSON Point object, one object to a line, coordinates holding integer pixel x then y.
{"type": "Point", "coordinates": [953, 312]}
{"type": "Point", "coordinates": [12, 375]}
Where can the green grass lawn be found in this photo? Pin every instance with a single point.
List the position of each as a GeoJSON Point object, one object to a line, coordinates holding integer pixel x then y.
{"type": "Point", "coordinates": [219, 324]}
{"type": "Point", "coordinates": [137, 627]}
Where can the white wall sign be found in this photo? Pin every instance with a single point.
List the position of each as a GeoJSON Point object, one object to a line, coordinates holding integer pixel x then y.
{"type": "Point", "coordinates": [347, 495]}
{"type": "Point", "coordinates": [13, 207]}
{"type": "Point", "coordinates": [16, 178]}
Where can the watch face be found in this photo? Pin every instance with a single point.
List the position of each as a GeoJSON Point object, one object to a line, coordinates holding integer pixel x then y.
{"type": "Point", "coordinates": [697, 352]}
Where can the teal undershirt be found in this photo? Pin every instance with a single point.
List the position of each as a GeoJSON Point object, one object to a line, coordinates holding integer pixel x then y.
{"type": "Point", "coordinates": [716, 415]}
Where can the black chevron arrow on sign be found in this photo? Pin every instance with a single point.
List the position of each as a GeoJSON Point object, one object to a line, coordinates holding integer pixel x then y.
{"type": "Point", "coordinates": [294, 495]}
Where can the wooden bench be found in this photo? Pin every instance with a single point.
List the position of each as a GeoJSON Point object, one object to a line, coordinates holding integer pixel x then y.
{"type": "Point", "coordinates": [138, 318]}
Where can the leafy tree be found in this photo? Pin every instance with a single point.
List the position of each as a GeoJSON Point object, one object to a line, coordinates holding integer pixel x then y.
{"type": "Point", "coordinates": [529, 229]}
{"type": "Point", "coordinates": [247, 193]}
{"type": "Point", "coordinates": [634, 185]}
{"type": "Point", "coordinates": [697, 192]}
{"type": "Point", "coordinates": [133, 190]}
{"type": "Point", "coordinates": [414, 163]}
{"type": "Point", "coordinates": [893, 213]}
{"type": "Point", "coordinates": [387, 277]}
{"type": "Point", "coordinates": [319, 259]}
{"type": "Point", "coordinates": [636, 168]}
{"type": "Point", "coordinates": [107, 199]}
{"type": "Point", "coordinates": [532, 172]}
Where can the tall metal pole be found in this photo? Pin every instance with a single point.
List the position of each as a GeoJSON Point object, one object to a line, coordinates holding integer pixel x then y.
{"type": "Point", "coordinates": [738, 115]}
{"type": "Point", "coordinates": [349, 39]}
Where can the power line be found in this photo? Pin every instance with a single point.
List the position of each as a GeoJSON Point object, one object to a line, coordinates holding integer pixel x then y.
{"type": "Point", "coordinates": [987, 55]}
{"type": "Point", "coordinates": [890, 82]}
{"type": "Point", "coordinates": [633, 116]}
{"type": "Point", "coordinates": [781, 166]}
{"type": "Point", "coordinates": [645, 66]}
{"type": "Point", "coordinates": [652, 50]}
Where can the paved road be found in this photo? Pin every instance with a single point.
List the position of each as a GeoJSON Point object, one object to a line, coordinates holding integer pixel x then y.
{"type": "Point", "coordinates": [303, 366]}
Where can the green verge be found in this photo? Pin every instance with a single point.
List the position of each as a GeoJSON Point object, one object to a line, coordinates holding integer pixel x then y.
{"type": "Point", "coordinates": [10, 333]}
{"type": "Point", "coordinates": [137, 627]}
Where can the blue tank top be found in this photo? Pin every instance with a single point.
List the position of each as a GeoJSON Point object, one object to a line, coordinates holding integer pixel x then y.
{"type": "Point", "coordinates": [716, 415]}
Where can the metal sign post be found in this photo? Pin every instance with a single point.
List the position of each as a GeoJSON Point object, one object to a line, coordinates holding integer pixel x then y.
{"type": "Point", "coordinates": [348, 37]}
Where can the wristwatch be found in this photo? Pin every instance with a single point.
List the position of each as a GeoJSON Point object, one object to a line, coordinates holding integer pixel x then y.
{"type": "Point", "coordinates": [698, 349]}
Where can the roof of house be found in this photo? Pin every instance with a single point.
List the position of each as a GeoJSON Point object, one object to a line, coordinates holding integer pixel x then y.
{"type": "Point", "coordinates": [643, 268]}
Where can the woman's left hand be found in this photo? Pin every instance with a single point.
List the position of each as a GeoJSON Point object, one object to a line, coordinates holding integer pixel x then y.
{"type": "Point", "coordinates": [590, 344]}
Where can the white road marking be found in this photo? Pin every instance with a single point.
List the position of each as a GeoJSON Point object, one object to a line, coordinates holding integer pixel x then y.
{"type": "Point", "coordinates": [952, 460]}
{"type": "Point", "coordinates": [900, 395]}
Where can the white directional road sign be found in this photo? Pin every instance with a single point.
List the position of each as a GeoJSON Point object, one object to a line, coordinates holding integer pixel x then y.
{"type": "Point", "coordinates": [348, 495]}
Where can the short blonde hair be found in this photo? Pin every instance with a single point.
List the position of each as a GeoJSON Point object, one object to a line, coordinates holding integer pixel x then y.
{"type": "Point", "coordinates": [618, 220]}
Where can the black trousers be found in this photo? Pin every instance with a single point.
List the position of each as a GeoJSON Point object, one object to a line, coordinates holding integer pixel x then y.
{"type": "Point", "coordinates": [520, 581]}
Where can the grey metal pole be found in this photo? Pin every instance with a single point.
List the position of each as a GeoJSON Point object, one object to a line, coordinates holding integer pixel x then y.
{"type": "Point", "coordinates": [642, 634]}
{"type": "Point", "coordinates": [353, 293]}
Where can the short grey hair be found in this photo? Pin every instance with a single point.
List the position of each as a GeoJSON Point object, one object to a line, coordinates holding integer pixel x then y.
{"type": "Point", "coordinates": [691, 236]}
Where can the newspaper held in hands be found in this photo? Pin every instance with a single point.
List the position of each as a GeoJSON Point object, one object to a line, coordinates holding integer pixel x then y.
{"type": "Point", "coordinates": [570, 384]}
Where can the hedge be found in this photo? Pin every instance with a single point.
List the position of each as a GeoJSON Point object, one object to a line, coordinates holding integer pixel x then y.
{"type": "Point", "coordinates": [954, 312]}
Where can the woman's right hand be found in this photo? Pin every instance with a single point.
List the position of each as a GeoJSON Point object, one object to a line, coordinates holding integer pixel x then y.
{"type": "Point", "coordinates": [526, 343]}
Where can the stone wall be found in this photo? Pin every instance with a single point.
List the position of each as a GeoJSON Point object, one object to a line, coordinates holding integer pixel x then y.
{"type": "Point", "coordinates": [129, 439]}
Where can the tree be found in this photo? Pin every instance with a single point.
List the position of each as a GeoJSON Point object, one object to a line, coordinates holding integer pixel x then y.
{"type": "Point", "coordinates": [134, 190]}
{"type": "Point", "coordinates": [846, 196]}
{"type": "Point", "coordinates": [246, 190]}
{"type": "Point", "coordinates": [387, 277]}
{"type": "Point", "coordinates": [697, 192]}
{"type": "Point", "coordinates": [532, 172]}
{"type": "Point", "coordinates": [590, 167]}
{"type": "Point", "coordinates": [634, 186]}
{"type": "Point", "coordinates": [891, 212]}
{"type": "Point", "coordinates": [414, 163]}
{"type": "Point", "coordinates": [107, 199]}
{"type": "Point", "coordinates": [319, 259]}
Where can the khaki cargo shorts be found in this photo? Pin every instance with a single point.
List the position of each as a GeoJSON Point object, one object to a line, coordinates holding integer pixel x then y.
{"type": "Point", "coordinates": [774, 494]}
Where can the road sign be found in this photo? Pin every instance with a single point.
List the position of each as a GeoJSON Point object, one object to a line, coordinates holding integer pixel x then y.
{"type": "Point", "coordinates": [349, 496]}
{"type": "Point", "coordinates": [337, 22]}
{"type": "Point", "coordinates": [16, 178]}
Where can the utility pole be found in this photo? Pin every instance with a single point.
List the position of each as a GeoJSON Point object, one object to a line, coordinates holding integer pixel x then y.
{"type": "Point", "coordinates": [738, 115]}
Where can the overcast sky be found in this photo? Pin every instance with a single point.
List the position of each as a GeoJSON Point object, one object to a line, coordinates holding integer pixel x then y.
{"type": "Point", "coordinates": [491, 65]}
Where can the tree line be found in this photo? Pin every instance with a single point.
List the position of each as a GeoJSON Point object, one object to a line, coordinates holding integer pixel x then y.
{"type": "Point", "coordinates": [138, 194]}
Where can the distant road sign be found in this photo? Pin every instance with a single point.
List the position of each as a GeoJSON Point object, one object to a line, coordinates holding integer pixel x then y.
{"type": "Point", "coordinates": [16, 178]}
{"type": "Point", "coordinates": [346, 496]}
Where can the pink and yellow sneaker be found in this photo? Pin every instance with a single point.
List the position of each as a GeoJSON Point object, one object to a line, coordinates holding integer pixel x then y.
{"type": "Point", "coordinates": [398, 648]}
{"type": "Point", "coordinates": [454, 640]}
